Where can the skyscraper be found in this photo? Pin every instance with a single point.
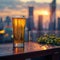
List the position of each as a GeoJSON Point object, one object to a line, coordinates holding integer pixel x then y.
{"type": "Point", "coordinates": [58, 24]}
{"type": "Point", "coordinates": [1, 24]}
{"type": "Point", "coordinates": [52, 25]}
{"type": "Point", "coordinates": [7, 21]}
{"type": "Point", "coordinates": [40, 23]}
{"type": "Point", "coordinates": [31, 11]}
{"type": "Point", "coordinates": [30, 19]}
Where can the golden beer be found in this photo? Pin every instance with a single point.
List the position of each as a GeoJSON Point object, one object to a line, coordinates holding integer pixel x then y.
{"type": "Point", "coordinates": [18, 31]}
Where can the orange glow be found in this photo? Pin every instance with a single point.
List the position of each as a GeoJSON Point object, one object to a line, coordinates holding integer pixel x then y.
{"type": "Point", "coordinates": [20, 21]}
{"type": "Point", "coordinates": [23, 22]}
{"type": "Point", "coordinates": [15, 22]}
{"type": "Point", "coordinates": [43, 12]}
{"type": "Point", "coordinates": [18, 50]}
{"type": "Point", "coordinates": [2, 31]}
{"type": "Point", "coordinates": [44, 47]}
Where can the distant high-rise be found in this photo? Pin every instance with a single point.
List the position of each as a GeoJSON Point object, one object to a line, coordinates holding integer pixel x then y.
{"type": "Point", "coordinates": [58, 23]}
{"type": "Point", "coordinates": [0, 19]}
{"type": "Point", "coordinates": [7, 21]}
{"type": "Point", "coordinates": [52, 25]}
{"type": "Point", "coordinates": [1, 24]}
{"type": "Point", "coordinates": [28, 24]}
{"type": "Point", "coordinates": [40, 23]}
{"type": "Point", "coordinates": [31, 11]}
{"type": "Point", "coordinates": [30, 20]}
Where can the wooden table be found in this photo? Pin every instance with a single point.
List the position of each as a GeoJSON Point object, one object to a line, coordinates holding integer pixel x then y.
{"type": "Point", "coordinates": [30, 50]}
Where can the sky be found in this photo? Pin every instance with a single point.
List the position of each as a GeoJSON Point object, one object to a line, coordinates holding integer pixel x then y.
{"type": "Point", "coordinates": [20, 7]}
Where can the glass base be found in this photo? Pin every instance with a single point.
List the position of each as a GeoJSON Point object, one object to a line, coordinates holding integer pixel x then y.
{"type": "Point", "coordinates": [19, 45]}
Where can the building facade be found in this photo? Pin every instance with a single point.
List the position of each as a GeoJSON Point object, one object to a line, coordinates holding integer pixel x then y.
{"type": "Point", "coordinates": [30, 19]}
{"type": "Point", "coordinates": [52, 24]}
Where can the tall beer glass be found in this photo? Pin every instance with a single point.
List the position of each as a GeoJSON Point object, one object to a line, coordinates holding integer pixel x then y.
{"type": "Point", "coordinates": [18, 24]}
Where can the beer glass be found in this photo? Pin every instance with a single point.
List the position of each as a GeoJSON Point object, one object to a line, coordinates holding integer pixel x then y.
{"type": "Point", "coordinates": [18, 24]}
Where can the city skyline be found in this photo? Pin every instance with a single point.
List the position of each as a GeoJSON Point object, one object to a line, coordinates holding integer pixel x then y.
{"type": "Point", "coordinates": [20, 7]}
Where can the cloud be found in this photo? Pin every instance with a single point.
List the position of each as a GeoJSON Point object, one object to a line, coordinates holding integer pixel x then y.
{"type": "Point", "coordinates": [20, 4]}
{"type": "Point", "coordinates": [11, 4]}
{"type": "Point", "coordinates": [37, 1]}
{"type": "Point", "coordinates": [9, 7]}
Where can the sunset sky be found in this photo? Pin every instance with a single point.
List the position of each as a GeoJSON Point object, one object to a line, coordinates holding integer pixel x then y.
{"type": "Point", "coordinates": [20, 7]}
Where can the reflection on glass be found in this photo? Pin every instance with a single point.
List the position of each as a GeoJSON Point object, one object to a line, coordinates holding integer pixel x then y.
{"type": "Point", "coordinates": [18, 50]}
{"type": "Point", "coordinates": [18, 31]}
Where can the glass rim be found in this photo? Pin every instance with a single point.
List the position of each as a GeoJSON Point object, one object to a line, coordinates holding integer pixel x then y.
{"type": "Point", "coordinates": [18, 16]}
